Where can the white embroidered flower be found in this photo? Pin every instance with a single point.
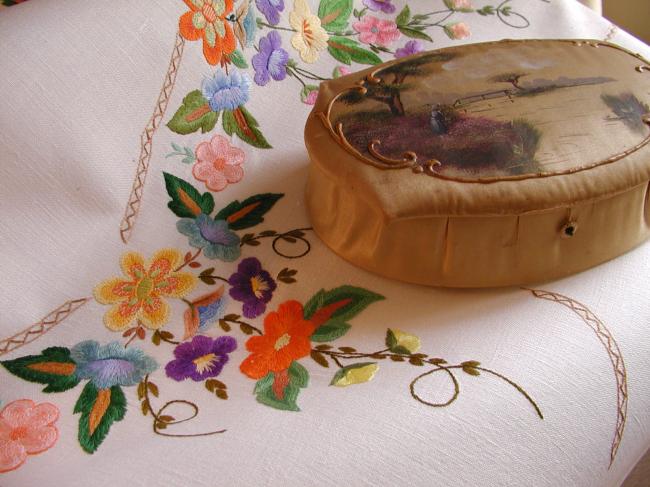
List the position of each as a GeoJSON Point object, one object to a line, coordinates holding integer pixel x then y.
{"type": "Point", "coordinates": [310, 38]}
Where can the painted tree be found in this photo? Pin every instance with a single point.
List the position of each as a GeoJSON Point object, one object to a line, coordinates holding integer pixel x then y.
{"type": "Point", "coordinates": [393, 82]}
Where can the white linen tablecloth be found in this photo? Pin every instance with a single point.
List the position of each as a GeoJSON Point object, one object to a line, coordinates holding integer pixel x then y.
{"type": "Point", "coordinates": [112, 156]}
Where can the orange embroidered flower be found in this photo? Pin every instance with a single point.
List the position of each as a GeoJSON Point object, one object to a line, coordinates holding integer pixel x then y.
{"type": "Point", "coordinates": [139, 295]}
{"type": "Point", "coordinates": [207, 20]}
{"type": "Point", "coordinates": [286, 338]}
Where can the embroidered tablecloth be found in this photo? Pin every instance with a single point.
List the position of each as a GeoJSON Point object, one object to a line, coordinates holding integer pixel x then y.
{"type": "Point", "coordinates": [169, 318]}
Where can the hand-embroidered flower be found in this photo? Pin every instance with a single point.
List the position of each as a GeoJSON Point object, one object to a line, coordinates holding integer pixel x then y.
{"type": "Point", "coordinates": [376, 31]}
{"type": "Point", "coordinates": [111, 364]}
{"type": "Point", "coordinates": [310, 37]}
{"type": "Point", "coordinates": [286, 338]}
{"type": "Point", "coordinates": [201, 358]}
{"type": "Point", "coordinates": [226, 91]}
{"type": "Point", "coordinates": [253, 286]}
{"type": "Point", "coordinates": [384, 6]}
{"type": "Point", "coordinates": [457, 31]}
{"type": "Point", "coordinates": [218, 163]}
{"type": "Point", "coordinates": [213, 236]}
{"type": "Point", "coordinates": [271, 9]}
{"type": "Point", "coordinates": [459, 5]}
{"type": "Point", "coordinates": [410, 48]}
{"type": "Point", "coordinates": [271, 60]}
{"type": "Point", "coordinates": [203, 312]}
{"type": "Point", "coordinates": [207, 20]}
{"type": "Point", "coordinates": [139, 295]}
{"type": "Point", "coordinates": [26, 428]}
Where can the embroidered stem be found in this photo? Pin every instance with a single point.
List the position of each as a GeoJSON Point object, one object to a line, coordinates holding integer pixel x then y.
{"type": "Point", "coordinates": [435, 404]}
{"type": "Point", "coordinates": [146, 141]}
{"type": "Point", "coordinates": [246, 328]}
{"type": "Point", "coordinates": [291, 236]}
{"type": "Point", "coordinates": [516, 386]}
{"type": "Point", "coordinates": [162, 421]}
{"type": "Point", "coordinates": [41, 327]}
{"type": "Point", "coordinates": [189, 259]}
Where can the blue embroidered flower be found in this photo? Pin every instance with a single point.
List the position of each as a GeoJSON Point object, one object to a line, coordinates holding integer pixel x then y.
{"type": "Point", "coordinates": [226, 91]}
{"type": "Point", "coordinates": [250, 26]}
{"type": "Point", "coordinates": [111, 365]}
{"type": "Point", "coordinates": [271, 60]}
{"type": "Point", "coordinates": [271, 9]}
{"type": "Point", "coordinates": [213, 236]}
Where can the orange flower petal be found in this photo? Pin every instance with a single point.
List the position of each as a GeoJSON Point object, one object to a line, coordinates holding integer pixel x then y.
{"type": "Point", "coordinates": [166, 260]}
{"type": "Point", "coordinates": [187, 29]}
{"type": "Point", "coordinates": [180, 283]}
{"type": "Point", "coordinates": [212, 54]}
{"type": "Point", "coordinates": [120, 316]}
{"type": "Point", "coordinates": [155, 315]}
{"type": "Point", "coordinates": [105, 291]}
{"type": "Point", "coordinates": [229, 42]}
{"type": "Point", "coordinates": [191, 5]}
{"type": "Point", "coordinates": [256, 365]}
{"type": "Point", "coordinates": [131, 261]}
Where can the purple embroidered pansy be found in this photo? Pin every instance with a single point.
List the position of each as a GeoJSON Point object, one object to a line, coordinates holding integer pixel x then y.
{"type": "Point", "coordinates": [380, 5]}
{"type": "Point", "coordinates": [201, 358]}
{"type": "Point", "coordinates": [271, 9]}
{"type": "Point", "coordinates": [110, 365]}
{"type": "Point", "coordinates": [271, 60]}
{"type": "Point", "coordinates": [213, 236]}
{"type": "Point", "coordinates": [253, 286]}
{"type": "Point", "coordinates": [411, 47]}
{"type": "Point", "coordinates": [226, 91]}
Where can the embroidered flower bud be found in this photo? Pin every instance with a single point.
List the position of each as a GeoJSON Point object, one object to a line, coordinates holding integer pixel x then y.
{"type": "Point", "coordinates": [355, 374]}
{"type": "Point", "coordinates": [457, 31]}
{"type": "Point", "coordinates": [399, 342]}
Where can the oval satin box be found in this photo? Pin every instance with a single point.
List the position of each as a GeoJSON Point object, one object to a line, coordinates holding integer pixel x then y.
{"type": "Point", "coordinates": [486, 164]}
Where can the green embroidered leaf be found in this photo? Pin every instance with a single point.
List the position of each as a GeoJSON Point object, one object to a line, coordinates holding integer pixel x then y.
{"type": "Point", "coordinates": [334, 14]}
{"type": "Point", "coordinates": [329, 310]}
{"type": "Point", "coordinates": [187, 201]}
{"type": "Point", "coordinates": [404, 16]}
{"type": "Point", "coordinates": [345, 50]}
{"type": "Point", "coordinates": [53, 367]}
{"type": "Point", "coordinates": [238, 59]}
{"type": "Point", "coordinates": [99, 409]}
{"type": "Point", "coordinates": [280, 390]}
{"type": "Point", "coordinates": [330, 331]}
{"type": "Point", "coordinates": [355, 374]}
{"type": "Point", "coordinates": [393, 346]}
{"type": "Point", "coordinates": [248, 213]}
{"type": "Point", "coordinates": [194, 114]}
{"type": "Point", "coordinates": [414, 33]}
{"type": "Point", "coordinates": [241, 123]}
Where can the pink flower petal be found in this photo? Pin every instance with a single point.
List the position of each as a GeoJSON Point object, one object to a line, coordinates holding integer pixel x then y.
{"type": "Point", "coordinates": [37, 440]}
{"type": "Point", "coordinates": [202, 170]}
{"type": "Point", "coordinates": [386, 25]}
{"type": "Point", "coordinates": [5, 430]}
{"type": "Point", "coordinates": [368, 37]}
{"type": "Point", "coordinates": [233, 173]}
{"type": "Point", "coordinates": [12, 455]}
{"type": "Point", "coordinates": [44, 414]}
{"type": "Point", "coordinates": [235, 156]}
{"type": "Point", "coordinates": [220, 146]}
{"type": "Point", "coordinates": [18, 413]}
{"type": "Point", "coordinates": [204, 152]}
{"type": "Point", "coordinates": [217, 181]}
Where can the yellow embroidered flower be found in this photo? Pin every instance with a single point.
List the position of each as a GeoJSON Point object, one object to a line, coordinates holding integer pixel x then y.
{"type": "Point", "coordinates": [138, 296]}
{"type": "Point", "coordinates": [310, 38]}
{"type": "Point", "coordinates": [400, 342]}
{"type": "Point", "coordinates": [355, 374]}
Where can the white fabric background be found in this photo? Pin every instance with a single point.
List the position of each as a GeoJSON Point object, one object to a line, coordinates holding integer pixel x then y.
{"type": "Point", "coordinates": [79, 81]}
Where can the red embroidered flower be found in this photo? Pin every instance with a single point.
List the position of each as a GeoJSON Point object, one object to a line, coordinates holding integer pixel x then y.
{"type": "Point", "coordinates": [286, 338]}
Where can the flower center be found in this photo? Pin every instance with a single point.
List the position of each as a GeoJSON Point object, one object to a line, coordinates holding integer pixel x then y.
{"type": "Point", "coordinates": [209, 13]}
{"type": "Point", "coordinates": [306, 31]}
{"type": "Point", "coordinates": [282, 342]}
{"type": "Point", "coordinates": [143, 290]}
{"type": "Point", "coordinates": [374, 30]}
{"type": "Point", "coordinates": [19, 433]}
{"type": "Point", "coordinates": [205, 362]}
{"type": "Point", "coordinates": [258, 286]}
{"type": "Point", "coordinates": [219, 163]}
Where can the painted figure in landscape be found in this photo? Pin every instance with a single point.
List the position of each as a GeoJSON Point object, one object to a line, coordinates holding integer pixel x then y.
{"type": "Point", "coordinates": [485, 115]}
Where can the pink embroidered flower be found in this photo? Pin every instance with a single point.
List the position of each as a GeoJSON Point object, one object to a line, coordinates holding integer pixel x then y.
{"type": "Point", "coordinates": [218, 163]}
{"type": "Point", "coordinates": [459, 30]}
{"type": "Point", "coordinates": [460, 5]}
{"type": "Point", "coordinates": [376, 31]}
{"type": "Point", "coordinates": [26, 428]}
{"type": "Point", "coordinates": [310, 99]}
